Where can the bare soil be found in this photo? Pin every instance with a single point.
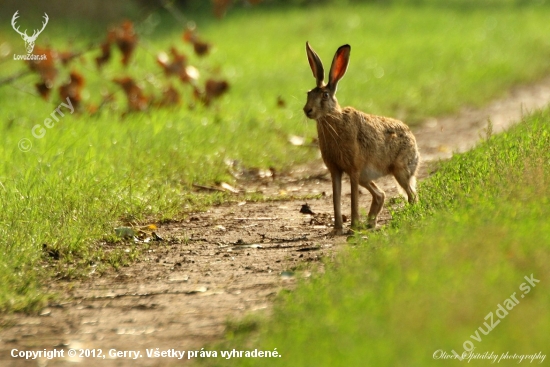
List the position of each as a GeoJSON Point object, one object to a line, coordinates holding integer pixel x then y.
{"type": "Point", "coordinates": [226, 262]}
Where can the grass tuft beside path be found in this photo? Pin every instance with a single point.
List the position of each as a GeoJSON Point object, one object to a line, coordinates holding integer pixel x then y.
{"type": "Point", "coordinates": [466, 268]}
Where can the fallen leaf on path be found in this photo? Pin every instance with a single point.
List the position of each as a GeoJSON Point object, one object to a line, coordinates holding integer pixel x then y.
{"type": "Point", "coordinates": [229, 188]}
{"type": "Point", "coordinates": [309, 248]}
{"type": "Point", "coordinates": [179, 279]}
{"type": "Point", "coordinates": [224, 187]}
{"type": "Point", "coordinates": [198, 290]}
{"type": "Point", "coordinates": [207, 188]}
{"type": "Point", "coordinates": [125, 232]}
{"type": "Point", "coordinates": [287, 274]}
{"type": "Point", "coordinates": [52, 253]}
{"type": "Point", "coordinates": [305, 209]}
{"type": "Point", "coordinates": [254, 245]}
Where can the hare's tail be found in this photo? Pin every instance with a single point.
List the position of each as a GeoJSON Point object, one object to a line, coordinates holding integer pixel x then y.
{"type": "Point", "coordinates": [412, 183]}
{"type": "Point", "coordinates": [413, 167]}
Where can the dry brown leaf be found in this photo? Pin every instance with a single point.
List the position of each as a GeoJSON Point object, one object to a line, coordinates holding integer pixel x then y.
{"type": "Point", "coordinates": [281, 102]}
{"type": "Point", "coordinates": [72, 89]}
{"type": "Point", "coordinates": [45, 68]}
{"type": "Point", "coordinates": [137, 101]}
{"type": "Point", "coordinates": [177, 66]}
{"type": "Point", "coordinates": [105, 54]}
{"type": "Point", "coordinates": [126, 39]}
{"type": "Point", "coordinates": [66, 56]}
{"type": "Point", "coordinates": [200, 47]}
{"type": "Point", "coordinates": [220, 7]}
{"type": "Point", "coordinates": [43, 90]}
{"type": "Point", "coordinates": [170, 97]}
{"type": "Point", "coordinates": [214, 89]}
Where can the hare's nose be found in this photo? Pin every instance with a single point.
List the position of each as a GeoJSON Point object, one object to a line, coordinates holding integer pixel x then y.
{"type": "Point", "coordinates": [308, 111]}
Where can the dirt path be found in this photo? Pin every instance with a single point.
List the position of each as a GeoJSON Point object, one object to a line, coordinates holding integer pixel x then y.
{"type": "Point", "coordinates": [224, 263]}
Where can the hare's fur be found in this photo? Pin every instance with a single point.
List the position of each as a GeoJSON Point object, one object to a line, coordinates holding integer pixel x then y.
{"type": "Point", "coordinates": [365, 147]}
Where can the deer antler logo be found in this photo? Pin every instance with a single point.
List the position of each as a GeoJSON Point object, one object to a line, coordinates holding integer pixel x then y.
{"type": "Point", "coordinates": [29, 40]}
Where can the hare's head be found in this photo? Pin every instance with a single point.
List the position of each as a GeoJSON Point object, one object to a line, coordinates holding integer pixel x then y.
{"type": "Point", "coordinates": [321, 100]}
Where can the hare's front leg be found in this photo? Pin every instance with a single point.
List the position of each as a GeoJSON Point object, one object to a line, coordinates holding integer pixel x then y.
{"type": "Point", "coordinates": [336, 176]}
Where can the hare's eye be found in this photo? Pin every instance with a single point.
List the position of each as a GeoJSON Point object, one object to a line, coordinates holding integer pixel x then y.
{"type": "Point", "coordinates": [325, 95]}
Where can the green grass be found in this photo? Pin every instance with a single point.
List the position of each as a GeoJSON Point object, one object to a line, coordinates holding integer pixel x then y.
{"type": "Point", "coordinates": [88, 175]}
{"type": "Point", "coordinates": [410, 62]}
{"type": "Point", "coordinates": [429, 282]}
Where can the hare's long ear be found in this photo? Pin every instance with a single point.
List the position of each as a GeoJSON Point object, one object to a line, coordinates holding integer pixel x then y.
{"type": "Point", "coordinates": [338, 67]}
{"type": "Point", "coordinates": [316, 65]}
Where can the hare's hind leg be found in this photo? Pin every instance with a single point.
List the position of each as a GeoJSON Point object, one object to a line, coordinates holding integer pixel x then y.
{"type": "Point", "coordinates": [404, 172]}
{"type": "Point", "coordinates": [408, 182]}
{"type": "Point", "coordinates": [378, 197]}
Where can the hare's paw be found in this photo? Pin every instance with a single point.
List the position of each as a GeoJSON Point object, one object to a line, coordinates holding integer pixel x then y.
{"type": "Point", "coordinates": [340, 232]}
{"type": "Point", "coordinates": [372, 225]}
{"type": "Point", "coordinates": [372, 222]}
{"type": "Point", "coordinates": [336, 232]}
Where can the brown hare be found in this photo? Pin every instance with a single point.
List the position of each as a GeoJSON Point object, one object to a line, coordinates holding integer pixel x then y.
{"type": "Point", "coordinates": [364, 146]}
